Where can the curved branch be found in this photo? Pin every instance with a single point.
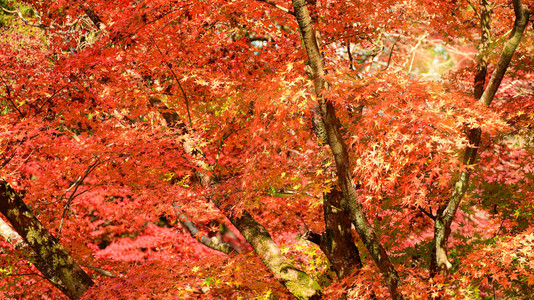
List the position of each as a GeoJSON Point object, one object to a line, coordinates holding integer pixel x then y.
{"type": "Point", "coordinates": [73, 195]}
{"type": "Point", "coordinates": [213, 243]}
{"type": "Point", "coordinates": [521, 21]}
{"type": "Point", "coordinates": [177, 81]}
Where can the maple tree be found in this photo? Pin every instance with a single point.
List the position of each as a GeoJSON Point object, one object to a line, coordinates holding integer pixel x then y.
{"type": "Point", "coordinates": [263, 149]}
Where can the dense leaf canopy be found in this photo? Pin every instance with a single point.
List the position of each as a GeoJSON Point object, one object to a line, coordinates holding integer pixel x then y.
{"type": "Point", "coordinates": [183, 149]}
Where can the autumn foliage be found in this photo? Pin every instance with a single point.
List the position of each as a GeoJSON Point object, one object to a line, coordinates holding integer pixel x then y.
{"type": "Point", "coordinates": [231, 149]}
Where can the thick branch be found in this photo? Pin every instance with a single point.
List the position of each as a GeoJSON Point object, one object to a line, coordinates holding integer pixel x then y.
{"type": "Point", "coordinates": [313, 237]}
{"type": "Point", "coordinates": [213, 243]}
{"type": "Point", "coordinates": [300, 284]}
{"type": "Point", "coordinates": [521, 21]}
{"type": "Point", "coordinates": [58, 266]}
{"type": "Point", "coordinates": [428, 214]}
{"type": "Point", "coordinates": [351, 201]}
{"type": "Point", "coordinates": [446, 212]}
{"type": "Point", "coordinates": [93, 16]}
{"type": "Point", "coordinates": [12, 237]}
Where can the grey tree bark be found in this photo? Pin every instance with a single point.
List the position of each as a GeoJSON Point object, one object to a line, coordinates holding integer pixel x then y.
{"type": "Point", "coordinates": [52, 259]}
{"type": "Point", "coordinates": [439, 262]}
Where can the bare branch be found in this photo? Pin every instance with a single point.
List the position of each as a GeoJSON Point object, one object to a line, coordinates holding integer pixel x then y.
{"type": "Point", "coordinates": [177, 81]}
{"type": "Point", "coordinates": [350, 56]}
{"type": "Point", "coordinates": [101, 271]}
{"type": "Point", "coordinates": [50, 98]}
{"type": "Point", "coordinates": [9, 97]}
{"type": "Point", "coordinates": [19, 14]}
{"type": "Point", "coordinates": [391, 52]}
{"type": "Point", "coordinates": [213, 243]}
{"type": "Point", "coordinates": [73, 195]}
{"type": "Point", "coordinates": [7, 160]}
{"type": "Point", "coordinates": [224, 137]}
{"type": "Point", "coordinates": [429, 214]}
{"type": "Point", "coordinates": [278, 6]}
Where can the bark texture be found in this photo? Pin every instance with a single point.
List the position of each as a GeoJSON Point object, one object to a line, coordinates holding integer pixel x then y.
{"type": "Point", "coordinates": [336, 241]}
{"type": "Point", "coordinates": [351, 202]}
{"type": "Point", "coordinates": [213, 243]}
{"type": "Point", "coordinates": [297, 282]}
{"type": "Point", "coordinates": [300, 284]}
{"type": "Point", "coordinates": [439, 262]}
{"type": "Point", "coordinates": [521, 20]}
{"type": "Point", "coordinates": [52, 259]}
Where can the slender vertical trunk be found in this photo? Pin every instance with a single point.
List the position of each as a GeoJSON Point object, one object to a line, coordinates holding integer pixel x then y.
{"type": "Point", "coordinates": [483, 45]}
{"type": "Point", "coordinates": [53, 260]}
{"type": "Point", "coordinates": [336, 242]}
{"type": "Point", "coordinates": [439, 262]}
{"type": "Point", "coordinates": [351, 201]}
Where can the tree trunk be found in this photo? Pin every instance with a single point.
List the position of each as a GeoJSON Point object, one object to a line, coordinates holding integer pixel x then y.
{"type": "Point", "coordinates": [337, 241]}
{"type": "Point", "coordinates": [351, 201]}
{"type": "Point", "coordinates": [439, 262]}
{"type": "Point", "coordinates": [53, 260]}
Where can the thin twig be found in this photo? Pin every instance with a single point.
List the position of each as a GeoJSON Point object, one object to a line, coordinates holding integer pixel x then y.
{"type": "Point", "coordinates": [50, 98]}
{"type": "Point", "coordinates": [13, 152]}
{"type": "Point", "coordinates": [224, 137]}
{"type": "Point", "coordinates": [23, 162]}
{"type": "Point", "coordinates": [9, 97]}
{"type": "Point", "coordinates": [412, 52]}
{"type": "Point", "coordinates": [473, 7]}
{"type": "Point", "coordinates": [391, 52]}
{"type": "Point", "coordinates": [6, 161]}
{"type": "Point", "coordinates": [177, 81]}
{"type": "Point", "coordinates": [27, 274]}
{"type": "Point", "coordinates": [120, 37]}
{"type": "Point", "coordinates": [430, 215]}
{"type": "Point", "coordinates": [73, 195]}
